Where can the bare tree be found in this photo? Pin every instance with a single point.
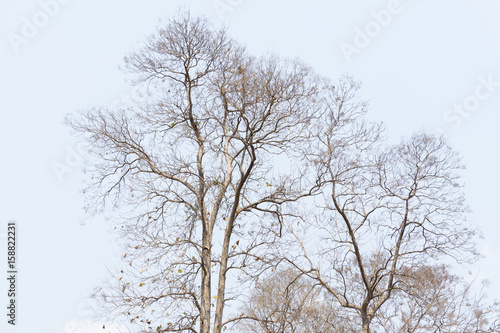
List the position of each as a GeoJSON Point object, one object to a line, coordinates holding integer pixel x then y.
{"type": "Point", "coordinates": [286, 302]}
{"type": "Point", "coordinates": [431, 299]}
{"type": "Point", "coordinates": [386, 211]}
{"type": "Point", "coordinates": [191, 171]}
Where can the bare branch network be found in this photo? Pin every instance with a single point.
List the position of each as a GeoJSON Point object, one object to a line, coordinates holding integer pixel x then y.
{"type": "Point", "coordinates": [254, 197]}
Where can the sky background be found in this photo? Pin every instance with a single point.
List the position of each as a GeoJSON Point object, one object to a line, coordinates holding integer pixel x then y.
{"type": "Point", "coordinates": [430, 65]}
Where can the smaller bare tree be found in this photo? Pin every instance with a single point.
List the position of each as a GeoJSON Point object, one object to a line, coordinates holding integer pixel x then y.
{"type": "Point", "coordinates": [286, 302]}
{"type": "Point", "coordinates": [432, 299]}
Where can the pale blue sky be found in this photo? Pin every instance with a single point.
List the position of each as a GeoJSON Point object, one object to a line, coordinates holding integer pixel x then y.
{"type": "Point", "coordinates": [415, 66]}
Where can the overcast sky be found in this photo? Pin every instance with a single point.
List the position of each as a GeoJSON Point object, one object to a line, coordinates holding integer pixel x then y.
{"type": "Point", "coordinates": [424, 64]}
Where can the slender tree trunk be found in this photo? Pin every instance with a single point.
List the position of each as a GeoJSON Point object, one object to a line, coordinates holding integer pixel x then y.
{"type": "Point", "coordinates": [365, 328]}
{"type": "Point", "coordinates": [206, 281]}
{"type": "Point", "coordinates": [221, 292]}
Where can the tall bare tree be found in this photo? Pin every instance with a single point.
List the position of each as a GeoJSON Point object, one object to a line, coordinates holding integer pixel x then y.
{"type": "Point", "coordinates": [191, 170]}
{"type": "Point", "coordinates": [386, 211]}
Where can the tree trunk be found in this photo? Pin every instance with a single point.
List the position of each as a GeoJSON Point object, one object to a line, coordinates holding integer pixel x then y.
{"type": "Point", "coordinates": [222, 279]}
{"type": "Point", "coordinates": [365, 325]}
{"type": "Point", "coordinates": [205, 282]}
